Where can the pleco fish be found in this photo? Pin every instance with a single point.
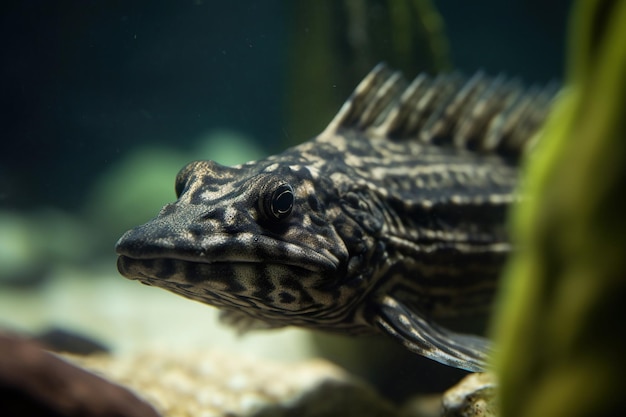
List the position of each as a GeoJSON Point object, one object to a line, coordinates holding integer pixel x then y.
{"type": "Point", "coordinates": [390, 220]}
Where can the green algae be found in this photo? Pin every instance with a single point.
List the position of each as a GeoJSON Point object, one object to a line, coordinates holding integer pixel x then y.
{"type": "Point", "coordinates": [560, 341]}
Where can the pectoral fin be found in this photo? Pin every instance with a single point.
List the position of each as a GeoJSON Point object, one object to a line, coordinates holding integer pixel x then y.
{"type": "Point", "coordinates": [422, 336]}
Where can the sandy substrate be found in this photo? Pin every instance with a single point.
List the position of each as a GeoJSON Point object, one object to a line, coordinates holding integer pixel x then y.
{"type": "Point", "coordinates": [128, 316]}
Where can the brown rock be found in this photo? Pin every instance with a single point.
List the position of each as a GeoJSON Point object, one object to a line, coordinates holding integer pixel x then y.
{"type": "Point", "coordinates": [215, 383]}
{"type": "Point", "coordinates": [36, 382]}
{"type": "Point", "coordinates": [474, 396]}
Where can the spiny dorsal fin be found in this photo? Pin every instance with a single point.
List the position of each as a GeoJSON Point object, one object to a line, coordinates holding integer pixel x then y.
{"type": "Point", "coordinates": [492, 114]}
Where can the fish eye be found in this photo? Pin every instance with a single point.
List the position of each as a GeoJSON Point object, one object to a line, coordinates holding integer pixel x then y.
{"type": "Point", "coordinates": [277, 202]}
{"type": "Point", "coordinates": [282, 201]}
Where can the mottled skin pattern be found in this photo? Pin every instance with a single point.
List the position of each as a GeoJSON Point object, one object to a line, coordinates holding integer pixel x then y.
{"type": "Point", "coordinates": [391, 218]}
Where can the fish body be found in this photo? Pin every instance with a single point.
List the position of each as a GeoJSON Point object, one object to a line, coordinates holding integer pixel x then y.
{"type": "Point", "coordinates": [389, 220]}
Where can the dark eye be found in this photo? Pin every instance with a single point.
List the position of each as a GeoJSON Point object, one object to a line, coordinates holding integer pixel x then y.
{"type": "Point", "coordinates": [277, 203]}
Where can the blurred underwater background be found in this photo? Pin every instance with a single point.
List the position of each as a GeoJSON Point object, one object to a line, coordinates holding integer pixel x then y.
{"type": "Point", "coordinates": [103, 103]}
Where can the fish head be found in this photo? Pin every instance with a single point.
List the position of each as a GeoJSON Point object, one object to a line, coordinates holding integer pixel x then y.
{"type": "Point", "coordinates": [265, 238]}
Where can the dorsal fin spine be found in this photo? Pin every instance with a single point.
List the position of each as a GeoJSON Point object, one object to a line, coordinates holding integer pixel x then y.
{"type": "Point", "coordinates": [352, 108]}
{"type": "Point", "coordinates": [479, 112]}
{"type": "Point", "coordinates": [380, 103]}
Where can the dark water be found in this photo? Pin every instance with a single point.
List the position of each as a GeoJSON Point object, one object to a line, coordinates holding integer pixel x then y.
{"type": "Point", "coordinates": [84, 82]}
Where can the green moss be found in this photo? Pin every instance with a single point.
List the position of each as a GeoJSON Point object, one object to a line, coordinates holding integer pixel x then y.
{"type": "Point", "coordinates": [561, 344]}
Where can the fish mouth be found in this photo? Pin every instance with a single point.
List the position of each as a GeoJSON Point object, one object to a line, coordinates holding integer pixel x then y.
{"type": "Point", "coordinates": [152, 270]}
{"type": "Point", "coordinates": [166, 268]}
{"type": "Point", "coordinates": [249, 286]}
{"type": "Point", "coordinates": [141, 258]}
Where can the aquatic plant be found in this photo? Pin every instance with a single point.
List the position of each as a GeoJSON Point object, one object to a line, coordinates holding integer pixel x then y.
{"type": "Point", "coordinates": [561, 344]}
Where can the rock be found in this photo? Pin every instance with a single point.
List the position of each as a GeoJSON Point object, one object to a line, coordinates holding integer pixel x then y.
{"type": "Point", "coordinates": [63, 340]}
{"type": "Point", "coordinates": [215, 383]}
{"type": "Point", "coordinates": [422, 405]}
{"type": "Point", "coordinates": [474, 396]}
{"type": "Point", "coordinates": [34, 382]}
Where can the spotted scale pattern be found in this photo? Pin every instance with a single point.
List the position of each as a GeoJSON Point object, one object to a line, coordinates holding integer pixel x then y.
{"type": "Point", "coordinates": [388, 221]}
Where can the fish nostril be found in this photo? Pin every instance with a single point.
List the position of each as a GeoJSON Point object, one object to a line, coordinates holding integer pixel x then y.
{"type": "Point", "coordinates": [197, 230]}
{"type": "Point", "coordinates": [208, 214]}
